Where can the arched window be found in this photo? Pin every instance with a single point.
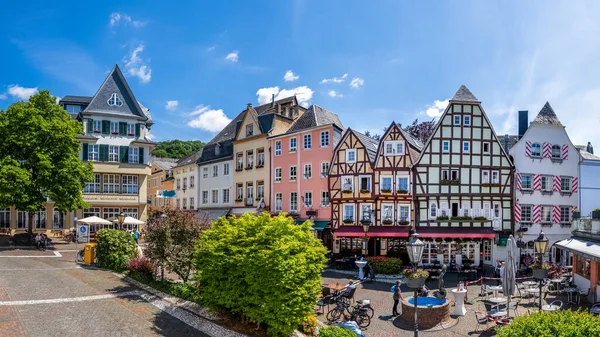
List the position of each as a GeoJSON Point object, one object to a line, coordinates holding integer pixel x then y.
{"type": "Point", "coordinates": [556, 151]}
{"type": "Point", "coordinates": [536, 150]}
{"type": "Point", "coordinates": [115, 100]}
{"type": "Point", "coordinates": [433, 210]}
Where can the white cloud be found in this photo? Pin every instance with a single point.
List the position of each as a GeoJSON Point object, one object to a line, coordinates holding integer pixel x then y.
{"type": "Point", "coordinates": [3, 96]}
{"type": "Point", "coordinates": [211, 48]}
{"type": "Point", "coordinates": [357, 82]}
{"type": "Point", "coordinates": [333, 93]}
{"type": "Point", "coordinates": [20, 92]}
{"type": "Point", "coordinates": [172, 105]}
{"type": "Point", "coordinates": [290, 77]}
{"type": "Point", "coordinates": [208, 119]}
{"type": "Point", "coordinates": [233, 56]}
{"type": "Point", "coordinates": [303, 94]}
{"type": "Point", "coordinates": [136, 66]}
{"type": "Point", "coordinates": [335, 79]}
{"type": "Point", "coordinates": [118, 18]}
{"type": "Point", "coordinates": [436, 109]}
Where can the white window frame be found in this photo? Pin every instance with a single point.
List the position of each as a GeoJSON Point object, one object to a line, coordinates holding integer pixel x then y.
{"type": "Point", "coordinates": [260, 189]}
{"type": "Point", "coordinates": [345, 214]}
{"type": "Point", "coordinates": [394, 148]}
{"type": "Point", "coordinates": [381, 182]}
{"type": "Point", "coordinates": [308, 199]}
{"type": "Point", "coordinates": [115, 100]}
{"type": "Point", "coordinates": [546, 210]}
{"type": "Point", "coordinates": [348, 151]}
{"type": "Point", "coordinates": [307, 171]}
{"type": "Point", "coordinates": [565, 210]}
{"type": "Point", "coordinates": [226, 195]}
{"type": "Point", "coordinates": [487, 210]}
{"type": "Point", "coordinates": [400, 206]}
{"type": "Point", "coordinates": [483, 145]}
{"type": "Point", "coordinates": [114, 128]}
{"type": "Point", "coordinates": [548, 181]}
{"type": "Point", "coordinates": [225, 169]}
{"type": "Point", "coordinates": [325, 201]}
{"type": "Point", "coordinates": [260, 157]}
{"type": "Point", "coordinates": [362, 208]}
{"type": "Point", "coordinates": [205, 172]}
{"type": "Point", "coordinates": [133, 155]}
{"type": "Point", "coordinates": [293, 173]}
{"type": "Point", "coordinates": [94, 186]}
{"type": "Point", "coordinates": [239, 190]}
{"type": "Point", "coordinates": [215, 170]}
{"type": "Point", "coordinates": [184, 203]}
{"type": "Point", "coordinates": [324, 169]}
{"type": "Point", "coordinates": [390, 207]}
{"type": "Point", "coordinates": [466, 147]}
{"type": "Point", "coordinates": [443, 211]}
{"type": "Point", "coordinates": [530, 188]}
{"type": "Point", "coordinates": [569, 183]}
{"type": "Point", "coordinates": [527, 217]}
{"type": "Point", "coordinates": [205, 197]}
{"type": "Point", "coordinates": [307, 141]}
{"type": "Point", "coordinates": [113, 153]}
{"type": "Point", "coordinates": [407, 182]}
{"type": "Point", "coordinates": [130, 129]}
{"type": "Point", "coordinates": [444, 144]}
{"type": "Point", "coordinates": [485, 177]}
{"type": "Point", "coordinates": [456, 120]}
{"type": "Point", "coordinates": [277, 174]}
{"type": "Point", "coordinates": [293, 202]}
{"type": "Point", "coordinates": [351, 180]}
{"type": "Point", "coordinates": [94, 152]}
{"type": "Point", "coordinates": [476, 209]}
{"type": "Point", "coordinates": [278, 202]}
{"type": "Point", "coordinates": [191, 202]}
{"type": "Point", "coordinates": [325, 138]}
{"type": "Point", "coordinates": [278, 148]}
{"type": "Point", "coordinates": [495, 177]}
{"type": "Point", "coordinates": [370, 182]}
{"type": "Point", "coordinates": [293, 144]}
{"type": "Point", "coordinates": [539, 150]}
{"type": "Point", "coordinates": [466, 208]}
{"type": "Point", "coordinates": [97, 126]}
{"type": "Point", "coordinates": [130, 184]}
{"type": "Point", "coordinates": [111, 183]}
{"type": "Point", "coordinates": [467, 120]}
{"type": "Point", "coordinates": [214, 200]}
{"type": "Point", "coordinates": [432, 211]}
{"type": "Point", "coordinates": [559, 155]}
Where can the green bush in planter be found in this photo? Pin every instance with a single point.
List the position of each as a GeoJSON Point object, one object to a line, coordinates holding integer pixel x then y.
{"type": "Point", "coordinates": [115, 249]}
{"type": "Point", "coordinates": [385, 265]}
{"type": "Point", "coordinates": [335, 331]}
{"type": "Point", "coordinates": [551, 324]}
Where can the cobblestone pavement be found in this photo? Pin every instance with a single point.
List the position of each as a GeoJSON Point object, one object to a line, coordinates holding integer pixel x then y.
{"type": "Point", "coordinates": [48, 295]}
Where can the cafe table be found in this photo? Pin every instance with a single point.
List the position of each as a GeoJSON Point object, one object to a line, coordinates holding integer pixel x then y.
{"type": "Point", "coordinates": [550, 307]}
{"type": "Point", "coordinates": [336, 287]}
{"type": "Point", "coordinates": [497, 301]}
{"type": "Point", "coordinates": [495, 289]}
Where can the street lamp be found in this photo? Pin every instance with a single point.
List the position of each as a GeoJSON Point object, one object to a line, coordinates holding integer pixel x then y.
{"type": "Point", "coordinates": [366, 222]}
{"type": "Point", "coordinates": [541, 243]}
{"type": "Point", "coordinates": [415, 249]}
{"type": "Point", "coordinates": [121, 219]}
{"type": "Point", "coordinates": [520, 232]}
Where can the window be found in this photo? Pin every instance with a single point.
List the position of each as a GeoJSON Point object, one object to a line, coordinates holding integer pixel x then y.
{"type": "Point", "coordinates": [215, 170]}
{"type": "Point", "coordinates": [324, 169]}
{"type": "Point", "coordinates": [496, 211]}
{"type": "Point", "coordinates": [351, 156]}
{"type": "Point", "coordinates": [115, 100]}
{"type": "Point", "coordinates": [307, 141]}
{"type": "Point", "coordinates": [546, 183]}
{"type": "Point", "coordinates": [111, 184]}
{"type": "Point", "coordinates": [278, 148]}
{"type": "Point", "coordinates": [565, 184]}
{"type": "Point", "coordinates": [454, 174]}
{"type": "Point", "coordinates": [192, 181]}
{"type": "Point", "coordinates": [278, 174]}
{"type": "Point", "coordinates": [486, 210]}
{"type": "Point", "coordinates": [546, 214]}
{"type": "Point", "coordinates": [260, 189]}
{"type": "Point", "coordinates": [445, 146]}
{"type": "Point", "coordinates": [249, 130]}
{"type": "Point", "coordinates": [526, 182]}
{"type": "Point", "coordinates": [249, 194]}
{"type": "Point", "coordinates": [184, 203]}
{"type": "Point", "coordinates": [402, 184]}
{"type": "Point", "coordinates": [239, 192]}
{"type": "Point", "coordinates": [93, 152]}
{"type": "Point", "coordinates": [178, 204]}
{"type": "Point", "coordinates": [366, 212]}
{"type": "Point", "coordinates": [536, 150]}
{"type": "Point", "coordinates": [249, 159]}
{"type": "Point", "coordinates": [191, 202]}
{"type": "Point", "coordinates": [403, 213]}
{"type": "Point", "coordinates": [307, 171]}
{"type": "Point", "coordinates": [556, 153]}
{"type": "Point", "coordinates": [110, 213]}
{"type": "Point", "coordinates": [260, 157]}
{"type": "Point", "coordinates": [225, 193]}
{"type": "Point", "coordinates": [130, 129]}
{"type": "Point", "coordinates": [22, 220]}
{"type": "Point", "coordinates": [214, 196]}
{"type": "Point", "coordinates": [293, 202]}
{"type": "Point", "coordinates": [94, 185]}
{"type": "Point", "coordinates": [293, 144]}
{"type": "Point", "coordinates": [443, 208]}
{"type": "Point", "coordinates": [130, 184]}
{"type": "Point", "coordinates": [134, 155]}
{"type": "Point", "coordinates": [239, 161]}
{"type": "Point", "coordinates": [97, 126]}
{"type": "Point", "coordinates": [347, 184]}
{"type": "Point", "coordinates": [386, 183]}
{"type": "Point", "coordinates": [5, 218]}
{"type": "Point", "coordinates": [324, 198]}
{"type": "Point", "coordinates": [445, 174]}
{"type": "Point", "coordinates": [349, 212]}
{"type": "Point", "coordinates": [324, 138]}
{"type": "Point", "coordinates": [114, 128]}
{"type": "Point", "coordinates": [58, 219]}
{"type": "Point", "coordinates": [204, 197]}
{"type": "Point", "coordinates": [178, 183]}
{"type": "Point", "coordinates": [485, 177]}
{"type": "Point", "coordinates": [393, 148]}
{"type": "Point", "coordinates": [308, 199]}
{"type": "Point", "coordinates": [486, 148]}
{"type": "Point", "coordinates": [456, 120]}
{"type": "Point", "coordinates": [184, 184]}
{"type": "Point", "coordinates": [205, 172]}
{"type": "Point", "coordinates": [278, 202]}
{"type": "Point", "coordinates": [565, 214]}
{"type": "Point", "coordinates": [387, 213]}
{"type": "Point", "coordinates": [466, 146]}
{"type": "Point", "coordinates": [365, 183]}
{"type": "Point", "coordinates": [465, 208]}
{"type": "Point", "coordinates": [433, 210]}
{"type": "Point", "coordinates": [495, 177]}
{"type": "Point", "coordinates": [226, 169]}
{"type": "Point", "coordinates": [476, 211]}
{"type": "Point", "coordinates": [292, 172]}
{"type": "Point", "coordinates": [113, 153]}
{"type": "Point", "coordinates": [73, 109]}
{"type": "Point", "coordinates": [467, 120]}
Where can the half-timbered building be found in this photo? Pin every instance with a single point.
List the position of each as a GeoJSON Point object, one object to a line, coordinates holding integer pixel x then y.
{"type": "Point", "coordinates": [463, 183]}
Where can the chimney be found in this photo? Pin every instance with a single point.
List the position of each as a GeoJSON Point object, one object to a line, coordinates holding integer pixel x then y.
{"type": "Point", "coordinates": [590, 148]}
{"type": "Point", "coordinates": [272, 100]}
{"type": "Point", "coordinates": [249, 105]}
{"type": "Point", "coordinates": [506, 143]}
{"type": "Point", "coordinates": [523, 122]}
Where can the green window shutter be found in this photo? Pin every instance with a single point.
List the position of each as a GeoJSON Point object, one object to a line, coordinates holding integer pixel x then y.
{"type": "Point", "coordinates": [137, 131]}
{"type": "Point", "coordinates": [124, 154]}
{"type": "Point", "coordinates": [103, 152]}
{"type": "Point", "coordinates": [122, 129]}
{"type": "Point", "coordinates": [105, 128]}
{"type": "Point", "coordinates": [141, 154]}
{"type": "Point", "coordinates": [84, 151]}
{"type": "Point", "coordinates": [90, 126]}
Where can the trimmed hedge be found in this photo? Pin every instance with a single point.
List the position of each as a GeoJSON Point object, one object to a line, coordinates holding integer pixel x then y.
{"type": "Point", "coordinates": [385, 265]}
{"type": "Point", "coordinates": [115, 248]}
{"type": "Point", "coordinates": [550, 324]}
{"type": "Point", "coordinates": [335, 331]}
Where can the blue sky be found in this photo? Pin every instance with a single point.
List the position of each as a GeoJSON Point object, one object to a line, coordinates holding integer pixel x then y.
{"type": "Point", "coordinates": [382, 61]}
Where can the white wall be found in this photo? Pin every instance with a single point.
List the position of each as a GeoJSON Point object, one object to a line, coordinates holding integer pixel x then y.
{"type": "Point", "coordinates": [187, 171]}
{"type": "Point", "coordinates": [589, 186]}
{"type": "Point", "coordinates": [220, 182]}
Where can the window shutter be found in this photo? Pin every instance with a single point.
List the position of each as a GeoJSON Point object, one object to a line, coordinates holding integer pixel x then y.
{"type": "Point", "coordinates": [537, 182]}
{"type": "Point", "coordinates": [90, 126]}
{"type": "Point", "coordinates": [547, 150]}
{"type": "Point", "coordinates": [137, 131]}
{"type": "Point", "coordinates": [536, 214]}
{"type": "Point", "coordinates": [122, 129]}
{"type": "Point", "coordinates": [528, 149]}
{"type": "Point", "coordinates": [103, 152]}
{"type": "Point", "coordinates": [574, 184]}
{"type": "Point", "coordinates": [556, 183]}
{"type": "Point", "coordinates": [106, 128]}
{"type": "Point", "coordinates": [519, 181]}
{"type": "Point", "coordinates": [124, 154]}
{"type": "Point", "coordinates": [565, 152]}
{"type": "Point", "coordinates": [84, 150]}
{"type": "Point", "coordinates": [556, 214]}
{"type": "Point", "coordinates": [141, 155]}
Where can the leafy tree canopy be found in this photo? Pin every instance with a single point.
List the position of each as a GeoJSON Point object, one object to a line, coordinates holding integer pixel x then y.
{"type": "Point", "coordinates": [177, 148]}
{"type": "Point", "coordinates": [421, 131]}
{"type": "Point", "coordinates": [39, 157]}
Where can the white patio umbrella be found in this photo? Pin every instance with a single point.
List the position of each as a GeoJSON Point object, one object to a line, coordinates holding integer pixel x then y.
{"type": "Point", "coordinates": [130, 221]}
{"type": "Point", "coordinates": [94, 220]}
{"type": "Point", "coordinates": [509, 278]}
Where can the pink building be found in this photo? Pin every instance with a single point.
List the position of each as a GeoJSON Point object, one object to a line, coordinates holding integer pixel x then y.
{"type": "Point", "coordinates": [300, 160]}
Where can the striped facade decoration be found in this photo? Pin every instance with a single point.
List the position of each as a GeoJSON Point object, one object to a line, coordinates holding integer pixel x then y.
{"type": "Point", "coordinates": [517, 212]}
{"type": "Point", "coordinates": [537, 182]}
{"type": "Point", "coordinates": [547, 150]}
{"type": "Point", "coordinates": [518, 180]}
{"type": "Point", "coordinates": [565, 152]}
{"type": "Point", "coordinates": [574, 184]}
{"type": "Point", "coordinates": [556, 184]}
{"type": "Point", "coordinates": [556, 214]}
{"type": "Point", "coordinates": [536, 214]}
{"type": "Point", "coordinates": [528, 149]}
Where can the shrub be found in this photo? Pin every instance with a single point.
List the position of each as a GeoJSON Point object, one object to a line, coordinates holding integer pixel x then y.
{"type": "Point", "coordinates": [335, 331]}
{"type": "Point", "coordinates": [550, 324]}
{"type": "Point", "coordinates": [115, 249]}
{"type": "Point", "coordinates": [265, 268]}
{"type": "Point", "coordinates": [412, 274]}
{"type": "Point", "coordinates": [309, 326]}
{"type": "Point", "coordinates": [141, 265]}
{"type": "Point", "coordinates": [385, 265]}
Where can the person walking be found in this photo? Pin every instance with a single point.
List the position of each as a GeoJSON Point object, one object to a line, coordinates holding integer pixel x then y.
{"type": "Point", "coordinates": [397, 296]}
{"type": "Point", "coordinates": [136, 236]}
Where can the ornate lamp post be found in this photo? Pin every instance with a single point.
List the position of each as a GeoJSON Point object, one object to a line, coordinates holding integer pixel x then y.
{"type": "Point", "coordinates": [415, 249]}
{"type": "Point", "coordinates": [541, 243]}
{"type": "Point", "coordinates": [121, 219]}
{"type": "Point", "coordinates": [520, 242]}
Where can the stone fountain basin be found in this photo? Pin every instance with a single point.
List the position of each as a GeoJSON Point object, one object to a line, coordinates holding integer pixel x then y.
{"type": "Point", "coordinates": [431, 311]}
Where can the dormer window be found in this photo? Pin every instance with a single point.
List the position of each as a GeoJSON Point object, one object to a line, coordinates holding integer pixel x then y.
{"type": "Point", "coordinates": [249, 130]}
{"type": "Point", "coordinates": [217, 149]}
{"type": "Point", "coordinates": [115, 100]}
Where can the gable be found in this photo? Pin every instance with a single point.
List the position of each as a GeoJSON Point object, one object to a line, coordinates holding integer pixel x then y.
{"type": "Point", "coordinates": [340, 165]}
{"type": "Point", "coordinates": [250, 119]}
{"type": "Point", "coordinates": [392, 139]}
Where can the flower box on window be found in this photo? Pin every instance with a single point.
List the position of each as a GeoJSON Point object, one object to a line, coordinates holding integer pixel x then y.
{"type": "Point", "coordinates": [292, 179]}
{"type": "Point", "coordinates": [462, 218]}
{"type": "Point", "coordinates": [402, 191]}
{"type": "Point", "coordinates": [365, 191]}
{"type": "Point", "coordinates": [97, 131]}
{"type": "Point", "coordinates": [348, 221]}
{"type": "Point", "coordinates": [258, 198]}
{"type": "Point", "coordinates": [239, 169]}
{"type": "Point", "coordinates": [450, 182]}
{"type": "Point", "coordinates": [442, 218]}
{"type": "Point", "coordinates": [385, 190]}
{"type": "Point", "coordinates": [260, 165]}
{"type": "Point", "coordinates": [546, 224]}
{"type": "Point", "coordinates": [490, 185]}
{"type": "Point", "coordinates": [403, 223]}
{"type": "Point", "coordinates": [576, 215]}
{"type": "Point", "coordinates": [480, 219]}
{"type": "Point", "coordinates": [596, 214]}
{"type": "Point", "coordinates": [115, 132]}
{"type": "Point", "coordinates": [239, 200]}
{"type": "Point", "coordinates": [387, 222]}
{"type": "Point", "coordinates": [347, 191]}
{"type": "Point", "coordinates": [130, 133]}
{"type": "Point", "coordinates": [249, 167]}
{"type": "Point", "coordinates": [277, 179]}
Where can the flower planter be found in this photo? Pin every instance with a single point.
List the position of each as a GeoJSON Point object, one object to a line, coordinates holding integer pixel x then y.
{"type": "Point", "coordinates": [417, 283]}
{"type": "Point", "coordinates": [595, 214]}
{"type": "Point", "coordinates": [576, 215]}
{"type": "Point", "coordinates": [402, 191]}
{"type": "Point", "coordinates": [540, 273]}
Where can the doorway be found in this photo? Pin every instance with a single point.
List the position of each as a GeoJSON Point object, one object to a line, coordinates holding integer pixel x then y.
{"type": "Point", "coordinates": [454, 209]}
{"type": "Point", "coordinates": [374, 247]}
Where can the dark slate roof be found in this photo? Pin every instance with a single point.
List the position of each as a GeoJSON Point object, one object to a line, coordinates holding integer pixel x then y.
{"type": "Point", "coordinates": [464, 95]}
{"type": "Point", "coordinates": [69, 99]}
{"type": "Point", "coordinates": [212, 214]}
{"type": "Point", "coordinates": [164, 164]}
{"type": "Point", "coordinates": [508, 141]}
{"type": "Point", "coordinates": [115, 83]}
{"type": "Point", "coordinates": [547, 116]}
{"type": "Point", "coordinates": [369, 143]}
{"type": "Point", "coordinates": [313, 117]}
{"type": "Point", "coordinates": [265, 122]}
{"type": "Point", "coordinates": [586, 155]}
{"type": "Point", "coordinates": [273, 105]}
{"type": "Point", "coordinates": [410, 139]}
{"type": "Point", "coordinates": [192, 158]}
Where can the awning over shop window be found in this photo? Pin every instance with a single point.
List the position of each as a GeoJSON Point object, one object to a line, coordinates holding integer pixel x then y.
{"type": "Point", "coordinates": [587, 249]}
{"type": "Point", "coordinates": [320, 225]}
{"type": "Point", "coordinates": [374, 231]}
{"type": "Point", "coordinates": [456, 232]}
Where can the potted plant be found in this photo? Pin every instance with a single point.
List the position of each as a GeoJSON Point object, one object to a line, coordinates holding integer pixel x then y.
{"type": "Point", "coordinates": [540, 271]}
{"type": "Point", "coordinates": [415, 278]}
{"type": "Point", "coordinates": [387, 222]}
{"type": "Point", "coordinates": [596, 213]}
{"type": "Point", "coordinates": [576, 214]}
{"type": "Point", "coordinates": [365, 191]}
{"type": "Point", "coordinates": [347, 191]}
{"type": "Point", "coordinates": [348, 221]}
{"type": "Point", "coordinates": [385, 190]}
{"type": "Point", "coordinates": [402, 191]}
{"type": "Point", "coordinates": [403, 223]}
{"type": "Point", "coordinates": [442, 218]}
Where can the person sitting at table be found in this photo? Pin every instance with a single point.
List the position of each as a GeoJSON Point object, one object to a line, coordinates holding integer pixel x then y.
{"type": "Point", "coordinates": [423, 292]}
{"type": "Point", "coordinates": [453, 265]}
{"type": "Point", "coordinates": [349, 324]}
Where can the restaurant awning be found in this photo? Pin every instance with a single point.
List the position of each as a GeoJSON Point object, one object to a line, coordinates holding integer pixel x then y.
{"type": "Point", "coordinates": [374, 231]}
{"type": "Point", "coordinates": [320, 225]}
{"type": "Point", "coordinates": [456, 232]}
{"type": "Point", "coordinates": [587, 249]}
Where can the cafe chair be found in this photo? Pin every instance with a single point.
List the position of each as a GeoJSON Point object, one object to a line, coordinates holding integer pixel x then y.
{"type": "Point", "coordinates": [557, 303]}
{"type": "Point", "coordinates": [513, 307]}
{"type": "Point", "coordinates": [322, 303]}
{"type": "Point", "coordinates": [595, 308]}
{"type": "Point", "coordinates": [481, 318]}
{"type": "Point", "coordinates": [582, 293]}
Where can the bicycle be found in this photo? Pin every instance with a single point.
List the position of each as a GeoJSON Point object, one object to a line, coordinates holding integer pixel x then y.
{"type": "Point", "coordinates": [357, 314]}
{"type": "Point", "coordinates": [79, 256]}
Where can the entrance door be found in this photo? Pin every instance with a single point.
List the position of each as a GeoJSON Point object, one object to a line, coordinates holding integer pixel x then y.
{"type": "Point", "coordinates": [374, 247]}
{"type": "Point", "coordinates": [486, 249]}
{"type": "Point", "coordinates": [497, 217]}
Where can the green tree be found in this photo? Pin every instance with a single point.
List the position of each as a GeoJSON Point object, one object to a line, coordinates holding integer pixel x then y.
{"type": "Point", "coordinates": [551, 324]}
{"type": "Point", "coordinates": [177, 148]}
{"type": "Point", "coordinates": [265, 269]}
{"type": "Point", "coordinates": [39, 157]}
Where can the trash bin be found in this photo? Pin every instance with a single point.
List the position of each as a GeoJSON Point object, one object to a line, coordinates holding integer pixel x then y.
{"type": "Point", "coordinates": [89, 253]}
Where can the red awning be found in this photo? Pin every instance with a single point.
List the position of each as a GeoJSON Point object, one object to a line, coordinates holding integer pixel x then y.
{"type": "Point", "coordinates": [456, 232]}
{"type": "Point", "coordinates": [374, 231]}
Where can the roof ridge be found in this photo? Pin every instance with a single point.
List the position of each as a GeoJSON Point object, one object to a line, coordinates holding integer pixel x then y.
{"type": "Point", "coordinates": [547, 116]}
{"type": "Point", "coordinates": [463, 94]}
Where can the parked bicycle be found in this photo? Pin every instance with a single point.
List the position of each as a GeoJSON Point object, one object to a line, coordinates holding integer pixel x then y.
{"type": "Point", "coordinates": [358, 313]}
